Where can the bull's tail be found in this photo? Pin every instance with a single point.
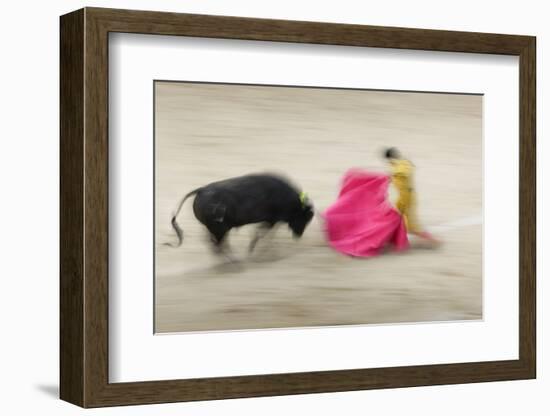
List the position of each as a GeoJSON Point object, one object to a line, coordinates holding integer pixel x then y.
{"type": "Point", "coordinates": [175, 225]}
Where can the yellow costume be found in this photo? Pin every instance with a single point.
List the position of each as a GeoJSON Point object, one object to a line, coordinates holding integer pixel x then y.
{"type": "Point", "coordinates": [402, 178]}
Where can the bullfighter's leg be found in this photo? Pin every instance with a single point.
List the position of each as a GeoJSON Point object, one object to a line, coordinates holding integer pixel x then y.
{"type": "Point", "coordinates": [261, 231]}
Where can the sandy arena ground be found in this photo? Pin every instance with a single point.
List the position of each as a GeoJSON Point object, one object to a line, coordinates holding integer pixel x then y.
{"type": "Point", "coordinates": [208, 132]}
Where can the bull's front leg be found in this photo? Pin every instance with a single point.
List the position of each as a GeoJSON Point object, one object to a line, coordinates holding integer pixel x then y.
{"type": "Point", "coordinates": [261, 231]}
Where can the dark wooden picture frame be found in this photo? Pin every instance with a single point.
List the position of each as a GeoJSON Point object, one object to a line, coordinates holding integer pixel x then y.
{"type": "Point", "coordinates": [84, 207]}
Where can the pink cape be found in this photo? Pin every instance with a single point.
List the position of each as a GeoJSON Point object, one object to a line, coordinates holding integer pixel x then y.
{"type": "Point", "coordinates": [362, 222]}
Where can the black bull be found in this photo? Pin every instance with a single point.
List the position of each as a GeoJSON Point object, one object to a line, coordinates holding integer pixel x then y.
{"type": "Point", "coordinates": [265, 199]}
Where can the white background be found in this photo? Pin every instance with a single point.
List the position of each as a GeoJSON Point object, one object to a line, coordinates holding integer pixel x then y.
{"type": "Point", "coordinates": [136, 355]}
{"type": "Point", "coordinates": [29, 210]}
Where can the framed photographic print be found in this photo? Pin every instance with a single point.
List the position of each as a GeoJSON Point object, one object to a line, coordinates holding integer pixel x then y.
{"type": "Point", "coordinates": [254, 207]}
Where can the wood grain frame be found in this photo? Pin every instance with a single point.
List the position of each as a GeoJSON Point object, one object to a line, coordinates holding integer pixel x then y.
{"type": "Point", "coordinates": [84, 207]}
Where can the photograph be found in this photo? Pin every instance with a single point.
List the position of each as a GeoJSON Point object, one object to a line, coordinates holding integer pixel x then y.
{"type": "Point", "coordinates": [285, 206]}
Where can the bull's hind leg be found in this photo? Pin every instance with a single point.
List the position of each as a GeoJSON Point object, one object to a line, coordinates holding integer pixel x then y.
{"type": "Point", "coordinates": [218, 233]}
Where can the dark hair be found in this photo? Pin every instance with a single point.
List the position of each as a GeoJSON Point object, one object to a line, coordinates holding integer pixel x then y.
{"type": "Point", "coordinates": [392, 153]}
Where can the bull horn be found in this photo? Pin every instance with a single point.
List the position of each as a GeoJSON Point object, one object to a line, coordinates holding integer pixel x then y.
{"type": "Point", "coordinates": [303, 198]}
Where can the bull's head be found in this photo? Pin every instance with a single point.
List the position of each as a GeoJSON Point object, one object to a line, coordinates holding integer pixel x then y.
{"type": "Point", "coordinates": [302, 217]}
